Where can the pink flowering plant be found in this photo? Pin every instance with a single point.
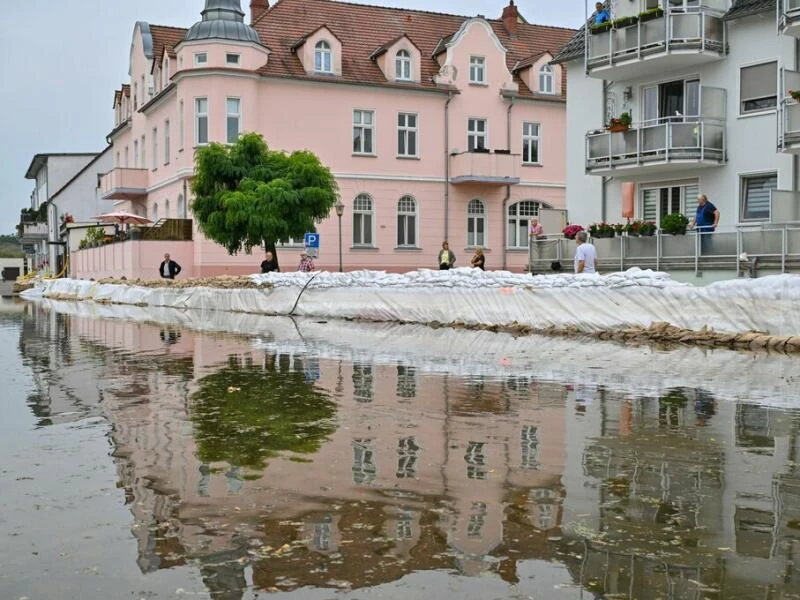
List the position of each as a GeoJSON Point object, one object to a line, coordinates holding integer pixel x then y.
{"type": "Point", "coordinates": [570, 231]}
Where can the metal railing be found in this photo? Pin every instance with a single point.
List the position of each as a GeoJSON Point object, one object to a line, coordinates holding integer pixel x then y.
{"type": "Point", "coordinates": [788, 109]}
{"type": "Point", "coordinates": [672, 138]}
{"type": "Point", "coordinates": [788, 13]}
{"type": "Point", "coordinates": [746, 247]}
{"type": "Point", "coordinates": [700, 28]}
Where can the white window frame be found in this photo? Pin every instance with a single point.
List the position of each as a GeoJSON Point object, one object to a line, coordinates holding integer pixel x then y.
{"type": "Point", "coordinates": [757, 111]}
{"type": "Point", "coordinates": [233, 59]}
{"type": "Point", "coordinates": [166, 208]}
{"type": "Point", "coordinates": [200, 59]}
{"type": "Point", "coordinates": [233, 115]}
{"type": "Point", "coordinates": [407, 222]}
{"type": "Point", "coordinates": [546, 80]}
{"type": "Point", "coordinates": [743, 179]}
{"type": "Point", "coordinates": [155, 148]}
{"type": "Point", "coordinates": [323, 52]}
{"type": "Point", "coordinates": [477, 70]}
{"type": "Point", "coordinates": [531, 134]}
{"type": "Point", "coordinates": [689, 189]}
{"type": "Point", "coordinates": [154, 212]}
{"type": "Point", "coordinates": [127, 156]}
{"type": "Point", "coordinates": [402, 65]}
{"type": "Point", "coordinates": [473, 217]}
{"type": "Point", "coordinates": [517, 218]}
{"type": "Point", "coordinates": [366, 221]}
{"type": "Point", "coordinates": [180, 125]}
{"type": "Point", "coordinates": [166, 142]}
{"type": "Point", "coordinates": [198, 115]}
{"type": "Point", "coordinates": [166, 71]}
{"type": "Point", "coordinates": [136, 154]}
{"type": "Point", "coordinates": [473, 135]}
{"type": "Point", "coordinates": [406, 132]}
{"type": "Point", "coordinates": [358, 124]}
{"type": "Point", "coordinates": [144, 152]}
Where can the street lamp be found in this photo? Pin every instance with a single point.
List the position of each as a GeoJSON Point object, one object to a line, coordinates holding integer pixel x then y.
{"type": "Point", "coordinates": [339, 206]}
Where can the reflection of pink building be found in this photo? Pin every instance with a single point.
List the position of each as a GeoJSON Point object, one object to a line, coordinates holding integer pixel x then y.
{"type": "Point", "coordinates": [436, 126]}
{"type": "Point", "coordinates": [420, 467]}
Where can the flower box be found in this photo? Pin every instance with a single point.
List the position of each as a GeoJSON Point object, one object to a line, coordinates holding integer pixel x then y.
{"type": "Point", "coordinates": [617, 128]}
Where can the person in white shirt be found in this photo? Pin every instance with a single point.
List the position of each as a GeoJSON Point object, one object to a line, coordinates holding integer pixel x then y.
{"type": "Point", "coordinates": [585, 254]}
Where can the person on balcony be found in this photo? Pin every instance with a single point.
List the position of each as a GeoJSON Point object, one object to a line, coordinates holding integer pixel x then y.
{"type": "Point", "coordinates": [269, 264]}
{"type": "Point", "coordinates": [536, 231]}
{"type": "Point", "coordinates": [600, 14]}
{"type": "Point", "coordinates": [446, 257]}
{"type": "Point", "coordinates": [169, 269]}
{"type": "Point", "coordinates": [585, 254]}
{"type": "Point", "coordinates": [705, 221]}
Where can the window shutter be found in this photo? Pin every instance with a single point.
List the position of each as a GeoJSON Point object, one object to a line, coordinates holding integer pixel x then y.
{"type": "Point", "coordinates": [757, 196]}
{"type": "Point", "coordinates": [759, 81]}
{"type": "Point", "coordinates": [649, 205]}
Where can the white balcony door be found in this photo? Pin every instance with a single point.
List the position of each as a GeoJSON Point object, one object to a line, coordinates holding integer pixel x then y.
{"type": "Point", "coordinates": [671, 101]}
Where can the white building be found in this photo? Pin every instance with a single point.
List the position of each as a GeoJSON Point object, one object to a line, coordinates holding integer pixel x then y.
{"type": "Point", "coordinates": [65, 184]}
{"type": "Point", "coordinates": [706, 86]}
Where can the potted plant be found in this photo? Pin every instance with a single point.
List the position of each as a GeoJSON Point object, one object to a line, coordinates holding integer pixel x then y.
{"type": "Point", "coordinates": [650, 14]}
{"type": "Point", "coordinates": [674, 223]}
{"type": "Point", "coordinates": [621, 123]}
{"type": "Point", "coordinates": [624, 21]}
{"type": "Point", "coordinates": [619, 228]}
{"type": "Point", "coordinates": [570, 231]}
{"type": "Point", "coordinates": [600, 27]}
{"type": "Point", "coordinates": [795, 94]}
{"type": "Point", "coordinates": [647, 228]}
{"type": "Point", "coordinates": [83, 244]}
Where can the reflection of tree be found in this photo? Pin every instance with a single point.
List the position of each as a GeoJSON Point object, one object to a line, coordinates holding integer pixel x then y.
{"type": "Point", "coordinates": [246, 414]}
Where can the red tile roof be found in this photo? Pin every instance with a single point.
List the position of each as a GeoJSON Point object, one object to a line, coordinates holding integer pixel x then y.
{"type": "Point", "coordinates": [166, 38]}
{"type": "Point", "coordinates": [361, 28]}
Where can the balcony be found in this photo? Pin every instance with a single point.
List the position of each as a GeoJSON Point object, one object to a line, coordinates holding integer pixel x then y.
{"type": "Point", "coordinates": [789, 17]}
{"type": "Point", "coordinates": [671, 41]}
{"type": "Point", "coordinates": [495, 168]}
{"type": "Point", "coordinates": [789, 113]}
{"type": "Point", "coordinates": [32, 233]}
{"type": "Point", "coordinates": [124, 184]}
{"type": "Point", "coordinates": [663, 146]}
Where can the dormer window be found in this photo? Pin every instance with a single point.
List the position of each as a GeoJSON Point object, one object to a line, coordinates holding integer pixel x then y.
{"type": "Point", "coordinates": [322, 57]}
{"type": "Point", "coordinates": [402, 66]}
{"type": "Point", "coordinates": [201, 58]}
{"type": "Point", "coordinates": [546, 79]}
{"type": "Point", "coordinates": [232, 60]}
{"type": "Point", "coordinates": [477, 69]}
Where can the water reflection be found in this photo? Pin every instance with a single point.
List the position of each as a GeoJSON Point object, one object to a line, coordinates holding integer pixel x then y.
{"type": "Point", "coordinates": [283, 470]}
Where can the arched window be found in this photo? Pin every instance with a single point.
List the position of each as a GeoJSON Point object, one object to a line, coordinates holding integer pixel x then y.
{"type": "Point", "coordinates": [322, 57]}
{"type": "Point", "coordinates": [181, 207]}
{"type": "Point", "coordinates": [519, 216]}
{"type": "Point", "coordinates": [476, 223]}
{"type": "Point", "coordinates": [166, 209]}
{"type": "Point", "coordinates": [363, 216]}
{"type": "Point", "coordinates": [407, 222]}
{"type": "Point", "coordinates": [155, 211]}
{"type": "Point", "coordinates": [546, 79]}
{"type": "Point", "coordinates": [402, 65]}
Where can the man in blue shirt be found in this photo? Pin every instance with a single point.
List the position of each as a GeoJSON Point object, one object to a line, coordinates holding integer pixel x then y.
{"type": "Point", "coordinates": [705, 221]}
{"type": "Point", "coordinates": [600, 14]}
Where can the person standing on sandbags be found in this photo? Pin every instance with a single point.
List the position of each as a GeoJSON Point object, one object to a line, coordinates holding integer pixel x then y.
{"type": "Point", "coordinates": [446, 257]}
{"type": "Point", "coordinates": [585, 254]}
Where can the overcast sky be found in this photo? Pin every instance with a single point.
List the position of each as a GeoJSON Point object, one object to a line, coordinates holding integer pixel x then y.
{"type": "Point", "coordinates": [61, 62]}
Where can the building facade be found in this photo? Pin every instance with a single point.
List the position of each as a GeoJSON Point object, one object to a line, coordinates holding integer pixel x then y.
{"type": "Point", "coordinates": [435, 126]}
{"type": "Point", "coordinates": [707, 88]}
{"type": "Point", "coordinates": [67, 176]}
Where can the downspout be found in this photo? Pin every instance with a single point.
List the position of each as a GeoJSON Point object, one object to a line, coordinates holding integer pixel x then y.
{"type": "Point", "coordinates": [447, 165]}
{"type": "Point", "coordinates": [604, 180]}
{"type": "Point", "coordinates": [508, 187]}
{"type": "Point", "coordinates": [795, 157]}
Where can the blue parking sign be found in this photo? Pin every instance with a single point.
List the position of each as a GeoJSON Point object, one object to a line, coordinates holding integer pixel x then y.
{"type": "Point", "coordinates": [311, 240]}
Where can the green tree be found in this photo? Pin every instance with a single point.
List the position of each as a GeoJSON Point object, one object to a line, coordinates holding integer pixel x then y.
{"type": "Point", "coordinates": [244, 414]}
{"type": "Point", "coordinates": [247, 195]}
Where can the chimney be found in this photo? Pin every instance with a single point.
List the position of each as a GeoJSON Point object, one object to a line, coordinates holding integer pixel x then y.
{"type": "Point", "coordinates": [510, 18]}
{"type": "Point", "coordinates": [257, 8]}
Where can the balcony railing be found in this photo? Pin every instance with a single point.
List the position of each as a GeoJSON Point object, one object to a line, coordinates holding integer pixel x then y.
{"type": "Point", "coordinates": [498, 168]}
{"type": "Point", "coordinates": [745, 249]}
{"type": "Point", "coordinates": [33, 232]}
{"type": "Point", "coordinates": [789, 113]}
{"type": "Point", "coordinates": [124, 184]}
{"type": "Point", "coordinates": [789, 17]}
{"type": "Point", "coordinates": [679, 38]}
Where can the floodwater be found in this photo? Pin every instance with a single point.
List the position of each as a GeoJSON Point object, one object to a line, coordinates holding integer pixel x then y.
{"type": "Point", "coordinates": [152, 460]}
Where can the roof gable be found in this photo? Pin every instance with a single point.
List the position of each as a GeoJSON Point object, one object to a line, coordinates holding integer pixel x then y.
{"type": "Point", "coordinates": [357, 26]}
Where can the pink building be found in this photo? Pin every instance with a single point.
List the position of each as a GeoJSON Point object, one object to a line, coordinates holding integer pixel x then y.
{"type": "Point", "coordinates": [436, 127]}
